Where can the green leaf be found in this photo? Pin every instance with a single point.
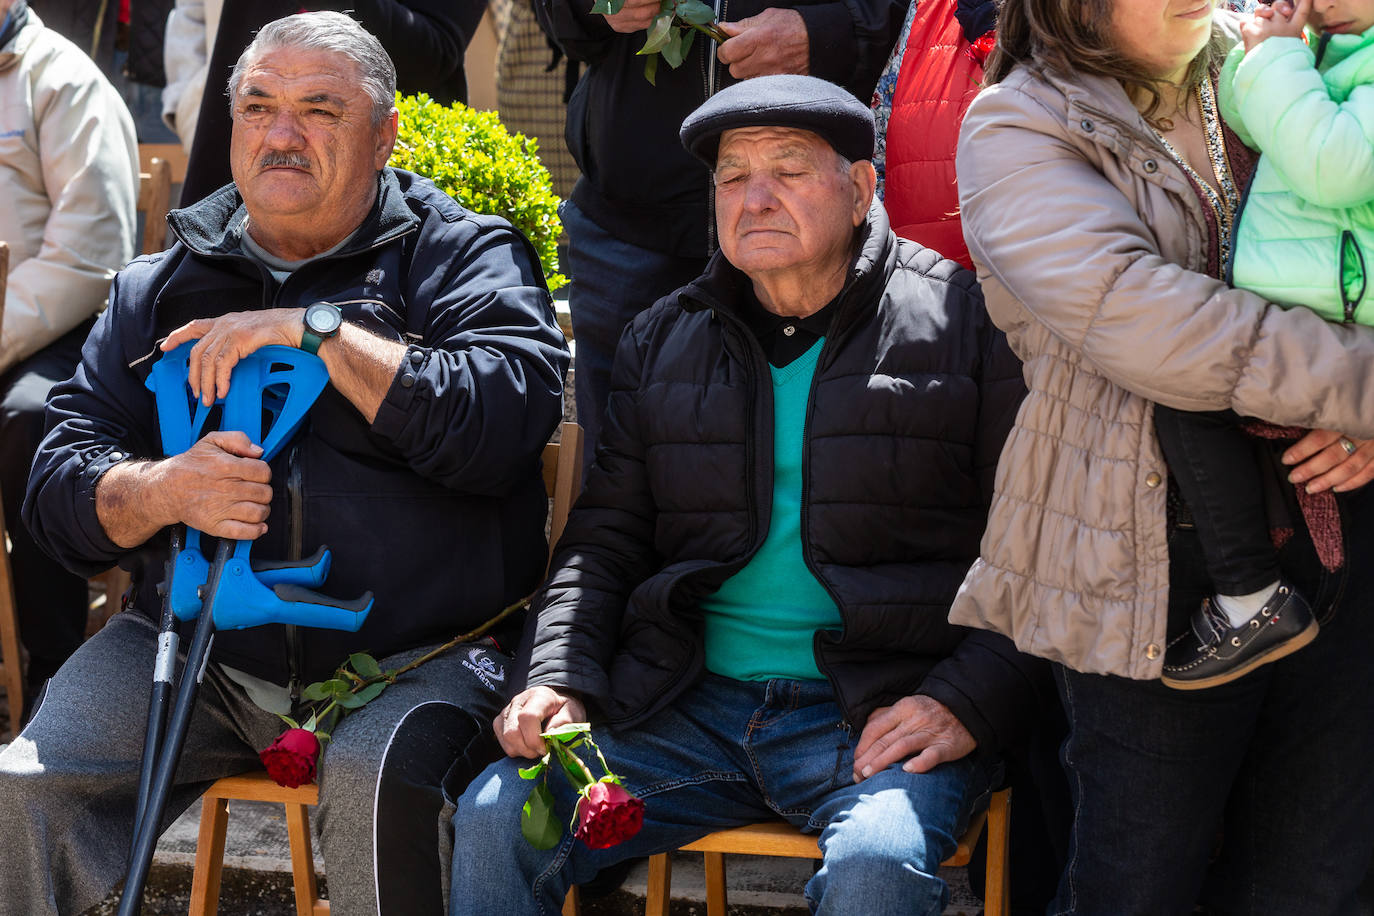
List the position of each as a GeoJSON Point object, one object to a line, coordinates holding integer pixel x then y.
{"type": "Point", "coordinates": [566, 733]}
{"type": "Point", "coordinates": [608, 7]}
{"type": "Point", "coordinates": [695, 12]}
{"type": "Point", "coordinates": [288, 720]}
{"type": "Point", "coordinates": [365, 665]}
{"type": "Point", "coordinates": [532, 772]}
{"type": "Point", "coordinates": [370, 692]}
{"type": "Point", "coordinates": [651, 70]}
{"type": "Point", "coordinates": [337, 689]}
{"type": "Point", "coordinates": [537, 822]}
{"type": "Point", "coordinates": [310, 723]}
{"type": "Point", "coordinates": [350, 701]}
{"type": "Point", "coordinates": [316, 691]}
{"type": "Point", "coordinates": [673, 52]}
{"type": "Point", "coordinates": [323, 736]}
{"type": "Point", "coordinates": [660, 30]}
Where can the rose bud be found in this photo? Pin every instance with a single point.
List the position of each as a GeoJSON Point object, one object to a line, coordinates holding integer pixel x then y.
{"type": "Point", "coordinates": [290, 761]}
{"type": "Point", "coordinates": [608, 814]}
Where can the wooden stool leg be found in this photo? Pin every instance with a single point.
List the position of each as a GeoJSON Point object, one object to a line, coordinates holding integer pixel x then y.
{"type": "Point", "coordinates": [715, 883]}
{"type": "Point", "coordinates": [572, 904]}
{"type": "Point", "coordinates": [9, 638]}
{"type": "Point", "coordinates": [997, 891]}
{"type": "Point", "coordinates": [308, 902]}
{"type": "Point", "coordinates": [214, 818]}
{"type": "Point", "coordinates": [660, 885]}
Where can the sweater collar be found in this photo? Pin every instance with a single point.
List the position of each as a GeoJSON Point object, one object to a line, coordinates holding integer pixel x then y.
{"type": "Point", "coordinates": [214, 226]}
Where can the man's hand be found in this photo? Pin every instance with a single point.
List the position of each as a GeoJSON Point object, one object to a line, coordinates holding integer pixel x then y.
{"type": "Point", "coordinates": [634, 16]}
{"type": "Point", "coordinates": [917, 727]}
{"type": "Point", "coordinates": [774, 41]}
{"type": "Point", "coordinates": [530, 713]}
{"type": "Point", "coordinates": [1283, 19]}
{"type": "Point", "coordinates": [1324, 461]}
{"type": "Point", "coordinates": [218, 485]}
{"type": "Point", "coordinates": [229, 338]}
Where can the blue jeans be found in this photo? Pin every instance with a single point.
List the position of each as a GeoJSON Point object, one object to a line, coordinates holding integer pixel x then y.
{"type": "Point", "coordinates": [1275, 767]}
{"type": "Point", "coordinates": [611, 282]}
{"type": "Point", "coordinates": [729, 753]}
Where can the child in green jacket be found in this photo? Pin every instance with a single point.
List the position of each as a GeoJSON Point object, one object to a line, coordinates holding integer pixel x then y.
{"type": "Point", "coordinates": [1301, 238]}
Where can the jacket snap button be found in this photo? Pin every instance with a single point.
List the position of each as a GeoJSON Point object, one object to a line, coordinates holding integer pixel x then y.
{"type": "Point", "coordinates": [1152, 651]}
{"type": "Point", "coordinates": [407, 380]}
{"type": "Point", "coordinates": [1151, 166]}
{"type": "Point", "coordinates": [1086, 125]}
{"type": "Point", "coordinates": [1153, 479]}
{"type": "Point", "coordinates": [416, 357]}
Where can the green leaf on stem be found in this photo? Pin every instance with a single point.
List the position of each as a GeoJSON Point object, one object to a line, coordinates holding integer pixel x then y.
{"type": "Point", "coordinates": [365, 665]}
{"type": "Point", "coordinates": [310, 723]}
{"type": "Point", "coordinates": [316, 691]}
{"type": "Point", "coordinates": [695, 12]}
{"type": "Point", "coordinates": [568, 732]}
{"type": "Point", "coordinates": [660, 31]}
{"type": "Point", "coordinates": [288, 720]}
{"type": "Point", "coordinates": [572, 765]}
{"type": "Point", "coordinates": [532, 772]}
{"type": "Point", "coordinates": [371, 691]}
{"type": "Point", "coordinates": [336, 689]}
{"type": "Point", "coordinates": [537, 822]}
{"type": "Point", "coordinates": [322, 736]}
{"type": "Point", "coordinates": [651, 70]}
{"type": "Point", "coordinates": [673, 51]}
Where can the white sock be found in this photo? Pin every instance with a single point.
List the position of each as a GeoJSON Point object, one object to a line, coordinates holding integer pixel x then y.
{"type": "Point", "coordinates": [1240, 608]}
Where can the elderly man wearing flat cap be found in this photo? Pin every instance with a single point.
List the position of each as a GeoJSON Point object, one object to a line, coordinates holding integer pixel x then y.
{"type": "Point", "coordinates": [749, 602]}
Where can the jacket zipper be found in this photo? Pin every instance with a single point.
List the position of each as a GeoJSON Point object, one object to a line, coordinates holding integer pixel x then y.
{"type": "Point", "coordinates": [1351, 255]}
{"type": "Point", "coordinates": [711, 63]}
{"type": "Point", "coordinates": [827, 348]}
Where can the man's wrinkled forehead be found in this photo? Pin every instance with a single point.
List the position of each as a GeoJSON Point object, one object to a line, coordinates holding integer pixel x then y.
{"type": "Point", "coordinates": [778, 142]}
{"type": "Point", "coordinates": [299, 75]}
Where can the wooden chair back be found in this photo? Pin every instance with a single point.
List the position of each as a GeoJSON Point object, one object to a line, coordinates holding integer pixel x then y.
{"type": "Point", "coordinates": [11, 664]}
{"type": "Point", "coordinates": [562, 480]}
{"type": "Point", "coordinates": [154, 200]}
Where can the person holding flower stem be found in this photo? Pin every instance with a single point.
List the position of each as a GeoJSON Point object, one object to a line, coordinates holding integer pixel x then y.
{"type": "Point", "coordinates": [749, 600]}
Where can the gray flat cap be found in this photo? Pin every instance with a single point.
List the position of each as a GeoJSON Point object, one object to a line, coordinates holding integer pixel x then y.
{"type": "Point", "coordinates": [784, 100]}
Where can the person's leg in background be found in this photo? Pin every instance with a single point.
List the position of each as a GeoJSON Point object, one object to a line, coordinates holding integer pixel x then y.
{"type": "Point", "coordinates": [51, 601]}
{"type": "Point", "coordinates": [611, 281]}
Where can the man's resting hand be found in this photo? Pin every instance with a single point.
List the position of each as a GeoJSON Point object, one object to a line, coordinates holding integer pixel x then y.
{"type": "Point", "coordinates": [915, 727]}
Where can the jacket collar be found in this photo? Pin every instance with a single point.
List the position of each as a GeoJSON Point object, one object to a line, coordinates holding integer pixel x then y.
{"type": "Point", "coordinates": [19, 35]}
{"type": "Point", "coordinates": [214, 226]}
{"type": "Point", "coordinates": [722, 286]}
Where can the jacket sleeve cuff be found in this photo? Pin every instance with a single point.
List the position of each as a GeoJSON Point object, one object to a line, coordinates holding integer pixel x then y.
{"type": "Point", "coordinates": [833, 48]}
{"type": "Point", "coordinates": [88, 519]}
{"type": "Point", "coordinates": [395, 410]}
{"type": "Point", "coordinates": [965, 710]}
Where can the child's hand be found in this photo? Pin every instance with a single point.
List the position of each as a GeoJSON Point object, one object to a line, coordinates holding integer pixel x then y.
{"type": "Point", "coordinates": [1283, 19]}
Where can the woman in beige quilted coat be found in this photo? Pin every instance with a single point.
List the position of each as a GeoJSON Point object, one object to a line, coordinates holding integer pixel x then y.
{"type": "Point", "coordinates": [1097, 186]}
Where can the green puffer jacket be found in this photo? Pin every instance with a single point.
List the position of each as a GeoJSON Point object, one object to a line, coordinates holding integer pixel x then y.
{"type": "Point", "coordinates": [1306, 231]}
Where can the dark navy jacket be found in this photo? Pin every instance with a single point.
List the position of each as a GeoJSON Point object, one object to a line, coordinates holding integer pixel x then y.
{"type": "Point", "coordinates": [437, 507]}
{"type": "Point", "coordinates": [913, 394]}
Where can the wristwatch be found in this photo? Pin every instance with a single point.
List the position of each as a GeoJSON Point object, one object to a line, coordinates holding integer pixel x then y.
{"type": "Point", "coordinates": [322, 321]}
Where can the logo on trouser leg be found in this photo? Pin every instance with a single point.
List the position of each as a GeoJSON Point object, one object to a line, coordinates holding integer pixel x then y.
{"type": "Point", "coordinates": [488, 671]}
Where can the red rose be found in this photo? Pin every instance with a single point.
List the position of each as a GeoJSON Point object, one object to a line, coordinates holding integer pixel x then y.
{"type": "Point", "coordinates": [290, 761]}
{"type": "Point", "coordinates": [608, 814]}
{"type": "Point", "coordinates": [982, 47]}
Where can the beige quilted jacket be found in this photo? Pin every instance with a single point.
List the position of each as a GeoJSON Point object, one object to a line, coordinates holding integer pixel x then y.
{"type": "Point", "coordinates": [1091, 246]}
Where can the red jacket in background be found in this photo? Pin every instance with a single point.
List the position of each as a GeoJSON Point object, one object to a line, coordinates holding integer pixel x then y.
{"type": "Point", "coordinates": [936, 84]}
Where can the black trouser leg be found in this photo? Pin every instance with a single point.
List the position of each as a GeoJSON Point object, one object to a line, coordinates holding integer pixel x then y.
{"type": "Point", "coordinates": [1214, 464]}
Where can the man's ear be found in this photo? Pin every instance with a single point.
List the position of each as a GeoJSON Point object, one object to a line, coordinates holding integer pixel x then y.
{"type": "Point", "coordinates": [864, 180]}
{"type": "Point", "coordinates": [386, 138]}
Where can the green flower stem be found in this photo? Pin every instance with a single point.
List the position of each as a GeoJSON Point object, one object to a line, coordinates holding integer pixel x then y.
{"type": "Point", "coordinates": [566, 755]}
{"type": "Point", "coordinates": [713, 30]}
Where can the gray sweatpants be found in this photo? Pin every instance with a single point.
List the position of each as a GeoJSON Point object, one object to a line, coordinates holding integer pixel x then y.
{"type": "Point", "coordinates": [69, 781]}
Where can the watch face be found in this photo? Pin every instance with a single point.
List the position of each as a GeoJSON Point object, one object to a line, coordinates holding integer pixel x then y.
{"type": "Point", "coordinates": [323, 319]}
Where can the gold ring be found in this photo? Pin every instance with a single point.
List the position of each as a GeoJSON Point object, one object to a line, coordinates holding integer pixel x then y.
{"type": "Point", "coordinates": [1346, 444]}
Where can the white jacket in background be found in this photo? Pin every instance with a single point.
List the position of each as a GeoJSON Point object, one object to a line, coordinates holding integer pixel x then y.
{"type": "Point", "coordinates": [69, 187]}
{"type": "Point", "coordinates": [186, 46]}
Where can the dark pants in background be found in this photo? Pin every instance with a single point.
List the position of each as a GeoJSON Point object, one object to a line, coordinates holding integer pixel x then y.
{"type": "Point", "coordinates": [51, 601]}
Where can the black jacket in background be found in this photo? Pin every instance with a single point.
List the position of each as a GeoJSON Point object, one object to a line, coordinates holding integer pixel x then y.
{"type": "Point", "coordinates": [914, 392]}
{"type": "Point", "coordinates": [437, 506]}
{"type": "Point", "coordinates": [638, 183]}
{"type": "Point", "coordinates": [425, 38]}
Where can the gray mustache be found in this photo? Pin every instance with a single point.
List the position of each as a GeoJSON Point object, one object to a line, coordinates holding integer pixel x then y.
{"type": "Point", "coordinates": [290, 160]}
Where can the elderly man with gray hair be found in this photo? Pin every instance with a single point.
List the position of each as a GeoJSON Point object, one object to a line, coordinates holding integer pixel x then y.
{"type": "Point", "coordinates": [749, 602]}
{"type": "Point", "coordinates": [418, 466]}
